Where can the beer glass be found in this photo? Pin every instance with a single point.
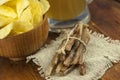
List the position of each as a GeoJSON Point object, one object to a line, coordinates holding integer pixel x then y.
{"type": "Point", "coordinates": [65, 13]}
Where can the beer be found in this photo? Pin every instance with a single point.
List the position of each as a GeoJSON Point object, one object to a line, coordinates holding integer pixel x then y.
{"type": "Point", "coordinates": [65, 9]}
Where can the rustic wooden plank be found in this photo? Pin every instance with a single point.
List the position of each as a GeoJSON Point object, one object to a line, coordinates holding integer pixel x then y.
{"type": "Point", "coordinates": [105, 19]}
{"type": "Point", "coordinates": [118, 1]}
{"type": "Point", "coordinates": [10, 70]}
{"type": "Point", "coordinates": [113, 73]}
{"type": "Point", "coordinates": [105, 15]}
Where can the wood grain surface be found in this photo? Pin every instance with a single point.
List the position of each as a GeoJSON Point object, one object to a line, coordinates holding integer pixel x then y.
{"type": "Point", "coordinates": [10, 70]}
{"type": "Point", "coordinates": [106, 19]}
{"type": "Point", "coordinates": [105, 16]}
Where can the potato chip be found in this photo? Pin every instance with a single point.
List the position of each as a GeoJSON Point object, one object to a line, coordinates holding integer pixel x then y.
{"type": "Point", "coordinates": [18, 5]}
{"type": "Point", "coordinates": [5, 31]}
{"type": "Point", "coordinates": [5, 20]}
{"type": "Point", "coordinates": [44, 5]}
{"type": "Point", "coordinates": [21, 5]}
{"type": "Point", "coordinates": [36, 11]}
{"type": "Point", "coordinates": [3, 1]}
{"type": "Point", "coordinates": [21, 27]}
{"type": "Point", "coordinates": [26, 15]}
{"type": "Point", "coordinates": [12, 4]}
{"type": "Point", "coordinates": [7, 11]}
{"type": "Point", "coordinates": [19, 16]}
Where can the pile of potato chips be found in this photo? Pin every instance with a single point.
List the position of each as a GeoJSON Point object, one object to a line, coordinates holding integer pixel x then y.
{"type": "Point", "coordinates": [19, 16]}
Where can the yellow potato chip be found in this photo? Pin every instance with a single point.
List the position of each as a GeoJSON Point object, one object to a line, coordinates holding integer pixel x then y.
{"type": "Point", "coordinates": [18, 5]}
{"type": "Point", "coordinates": [12, 4]}
{"type": "Point", "coordinates": [21, 5]}
{"type": "Point", "coordinates": [26, 15]}
{"type": "Point", "coordinates": [5, 20]}
{"type": "Point", "coordinates": [36, 12]}
{"type": "Point", "coordinates": [5, 31]}
{"type": "Point", "coordinates": [44, 5]}
{"type": "Point", "coordinates": [19, 16]}
{"type": "Point", "coordinates": [7, 11]}
{"type": "Point", "coordinates": [3, 1]}
{"type": "Point", "coordinates": [21, 27]}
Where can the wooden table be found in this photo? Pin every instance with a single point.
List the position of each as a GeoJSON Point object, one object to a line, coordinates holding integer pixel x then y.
{"type": "Point", "coordinates": [105, 19]}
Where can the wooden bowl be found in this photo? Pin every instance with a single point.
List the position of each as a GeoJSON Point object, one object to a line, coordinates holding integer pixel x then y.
{"type": "Point", "coordinates": [20, 46]}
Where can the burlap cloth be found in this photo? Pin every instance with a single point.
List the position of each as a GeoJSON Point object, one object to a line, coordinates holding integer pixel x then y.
{"type": "Point", "coordinates": [101, 53]}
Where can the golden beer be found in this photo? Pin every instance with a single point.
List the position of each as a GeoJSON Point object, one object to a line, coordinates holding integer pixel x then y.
{"type": "Point", "coordinates": [66, 9]}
